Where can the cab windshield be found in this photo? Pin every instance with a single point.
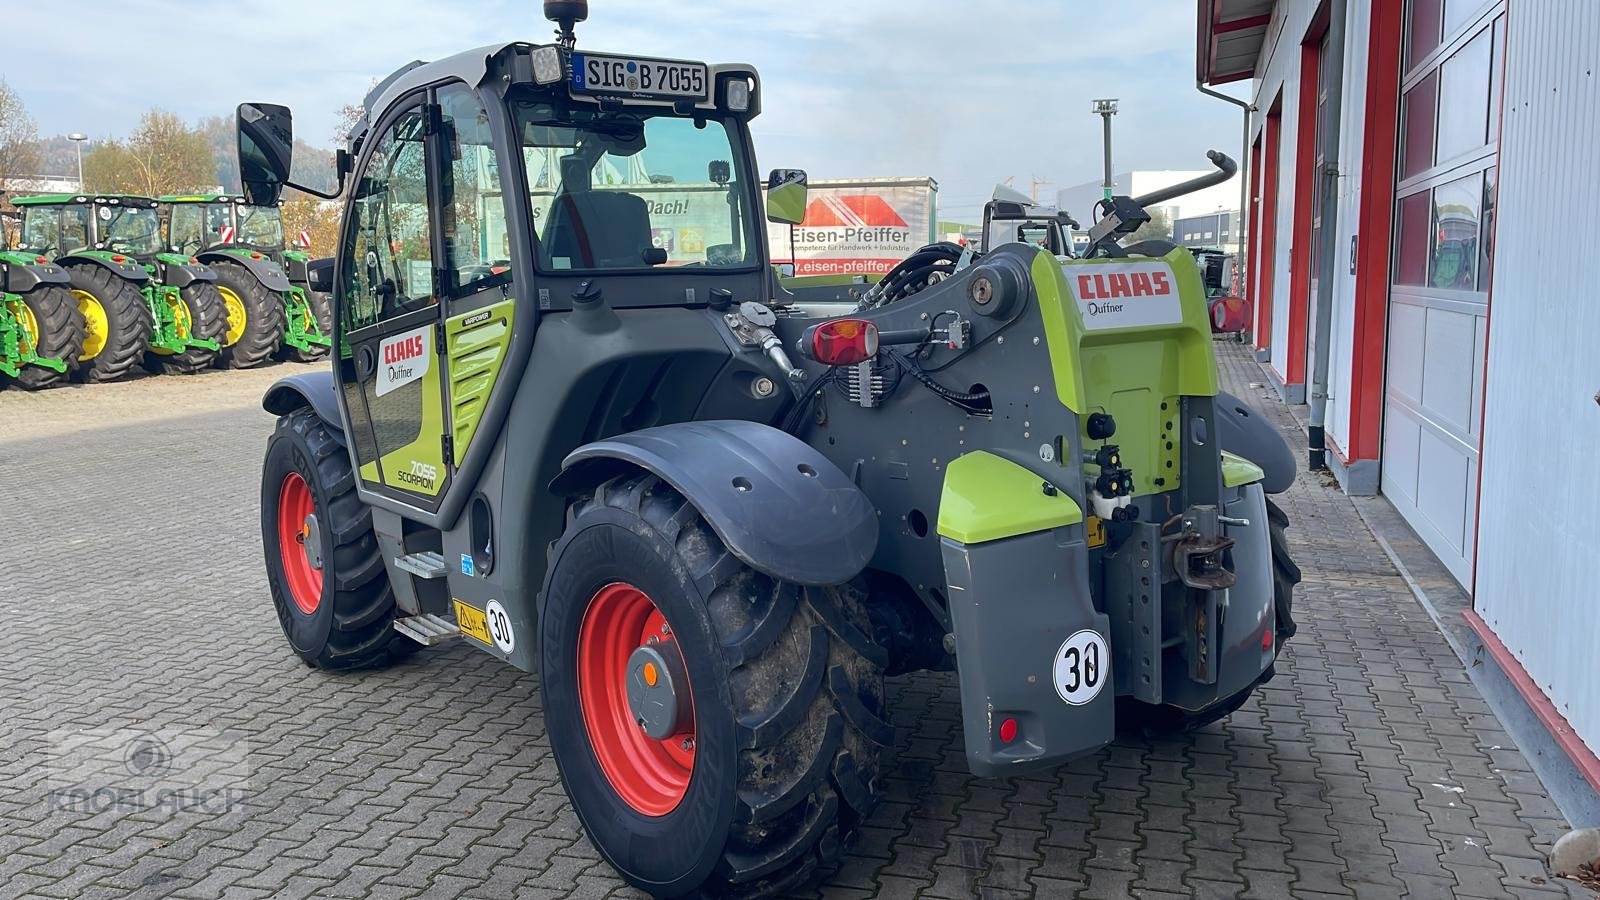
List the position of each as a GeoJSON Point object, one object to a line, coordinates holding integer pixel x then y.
{"type": "Point", "coordinates": [40, 225]}
{"type": "Point", "coordinates": [132, 230]}
{"type": "Point", "coordinates": [261, 226]}
{"type": "Point", "coordinates": [635, 189]}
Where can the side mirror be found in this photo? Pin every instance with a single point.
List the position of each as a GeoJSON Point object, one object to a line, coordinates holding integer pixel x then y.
{"type": "Point", "coordinates": [787, 195]}
{"type": "Point", "coordinates": [266, 151]}
{"type": "Point", "coordinates": [319, 275]}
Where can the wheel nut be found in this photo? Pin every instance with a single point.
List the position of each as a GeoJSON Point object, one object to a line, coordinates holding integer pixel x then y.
{"type": "Point", "coordinates": [688, 743]}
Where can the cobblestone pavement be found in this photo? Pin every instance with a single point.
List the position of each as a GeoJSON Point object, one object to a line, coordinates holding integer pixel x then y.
{"type": "Point", "coordinates": [132, 581]}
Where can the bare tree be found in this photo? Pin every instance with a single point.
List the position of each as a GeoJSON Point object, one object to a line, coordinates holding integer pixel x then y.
{"type": "Point", "coordinates": [163, 155]}
{"type": "Point", "coordinates": [19, 140]}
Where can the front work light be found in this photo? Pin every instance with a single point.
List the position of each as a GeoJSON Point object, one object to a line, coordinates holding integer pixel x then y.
{"type": "Point", "coordinates": [546, 65]}
{"type": "Point", "coordinates": [843, 342]}
{"type": "Point", "coordinates": [737, 95]}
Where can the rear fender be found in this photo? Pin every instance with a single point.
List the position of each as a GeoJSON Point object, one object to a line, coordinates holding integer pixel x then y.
{"type": "Point", "coordinates": [21, 277]}
{"type": "Point", "coordinates": [1243, 431]}
{"type": "Point", "coordinates": [778, 505]}
{"type": "Point", "coordinates": [269, 273]}
{"type": "Point", "coordinates": [314, 389]}
{"type": "Point", "coordinates": [177, 271]}
{"type": "Point", "coordinates": [128, 269]}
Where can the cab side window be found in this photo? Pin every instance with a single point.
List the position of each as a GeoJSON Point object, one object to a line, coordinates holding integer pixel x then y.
{"type": "Point", "coordinates": [476, 245]}
{"type": "Point", "coordinates": [184, 228]}
{"type": "Point", "coordinates": [74, 228]}
{"type": "Point", "coordinates": [41, 230]}
{"type": "Point", "coordinates": [386, 254]}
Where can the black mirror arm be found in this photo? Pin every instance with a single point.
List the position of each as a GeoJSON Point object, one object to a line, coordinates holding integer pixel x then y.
{"type": "Point", "coordinates": [338, 190]}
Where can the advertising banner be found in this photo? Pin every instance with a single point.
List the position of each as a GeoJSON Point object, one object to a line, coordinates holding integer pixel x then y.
{"type": "Point", "coordinates": [858, 227]}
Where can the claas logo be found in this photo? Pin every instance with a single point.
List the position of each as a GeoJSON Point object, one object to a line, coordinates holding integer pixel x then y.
{"type": "Point", "coordinates": [852, 212]}
{"type": "Point", "coordinates": [400, 351]}
{"type": "Point", "coordinates": [1121, 284]}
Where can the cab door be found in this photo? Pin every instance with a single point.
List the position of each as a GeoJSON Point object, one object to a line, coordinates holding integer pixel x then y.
{"type": "Point", "coordinates": [391, 371]}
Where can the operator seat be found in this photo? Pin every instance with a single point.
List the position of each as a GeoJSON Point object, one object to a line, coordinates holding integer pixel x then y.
{"type": "Point", "coordinates": [596, 229]}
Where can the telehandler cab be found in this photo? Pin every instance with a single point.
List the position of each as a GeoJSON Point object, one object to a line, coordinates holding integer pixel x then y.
{"type": "Point", "coordinates": [713, 521]}
{"type": "Point", "coordinates": [139, 302]}
{"type": "Point", "coordinates": [264, 285]}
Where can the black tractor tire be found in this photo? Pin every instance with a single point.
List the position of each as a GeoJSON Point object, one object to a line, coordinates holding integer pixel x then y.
{"type": "Point", "coordinates": [322, 309]}
{"type": "Point", "coordinates": [59, 336]}
{"type": "Point", "coordinates": [1285, 574]}
{"type": "Point", "coordinates": [208, 319]}
{"type": "Point", "coordinates": [349, 623]}
{"type": "Point", "coordinates": [263, 318]}
{"type": "Point", "coordinates": [127, 323]}
{"type": "Point", "coordinates": [1138, 717]}
{"type": "Point", "coordinates": [787, 696]}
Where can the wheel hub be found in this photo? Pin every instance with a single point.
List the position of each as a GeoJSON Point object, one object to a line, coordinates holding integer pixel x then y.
{"type": "Point", "coordinates": [655, 696]}
{"type": "Point", "coordinates": [300, 543]}
{"type": "Point", "coordinates": [311, 540]}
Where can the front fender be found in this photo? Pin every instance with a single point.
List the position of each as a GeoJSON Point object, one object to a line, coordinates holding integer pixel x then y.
{"type": "Point", "coordinates": [265, 270]}
{"type": "Point", "coordinates": [778, 505]}
{"type": "Point", "coordinates": [314, 389]}
{"type": "Point", "coordinates": [128, 268]}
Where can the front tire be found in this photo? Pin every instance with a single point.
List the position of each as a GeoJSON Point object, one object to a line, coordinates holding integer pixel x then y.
{"type": "Point", "coordinates": [117, 323]}
{"type": "Point", "coordinates": [785, 728]}
{"type": "Point", "coordinates": [202, 315]}
{"type": "Point", "coordinates": [324, 567]}
{"type": "Point", "coordinates": [254, 318]}
{"type": "Point", "coordinates": [54, 326]}
{"type": "Point", "coordinates": [321, 309]}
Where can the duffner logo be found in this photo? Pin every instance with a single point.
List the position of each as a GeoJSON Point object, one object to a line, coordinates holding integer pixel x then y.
{"type": "Point", "coordinates": [1126, 295]}
{"type": "Point", "coordinates": [403, 359]}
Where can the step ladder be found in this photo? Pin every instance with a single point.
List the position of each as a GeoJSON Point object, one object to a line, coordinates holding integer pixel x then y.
{"type": "Point", "coordinates": [426, 564]}
{"type": "Point", "coordinates": [428, 629]}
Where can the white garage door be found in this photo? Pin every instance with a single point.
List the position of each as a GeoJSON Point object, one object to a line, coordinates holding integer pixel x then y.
{"type": "Point", "coordinates": [1438, 298]}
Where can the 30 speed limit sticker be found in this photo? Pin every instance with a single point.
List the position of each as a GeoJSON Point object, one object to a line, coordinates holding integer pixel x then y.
{"type": "Point", "coordinates": [500, 627]}
{"type": "Point", "coordinates": [1082, 666]}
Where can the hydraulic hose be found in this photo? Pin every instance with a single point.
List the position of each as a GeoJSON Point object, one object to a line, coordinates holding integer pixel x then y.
{"type": "Point", "coordinates": [1226, 168]}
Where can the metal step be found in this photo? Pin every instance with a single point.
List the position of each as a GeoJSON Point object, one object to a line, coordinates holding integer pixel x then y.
{"type": "Point", "coordinates": [427, 630]}
{"type": "Point", "coordinates": [426, 564]}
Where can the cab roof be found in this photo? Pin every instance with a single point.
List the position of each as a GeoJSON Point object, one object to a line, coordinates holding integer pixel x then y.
{"type": "Point", "coordinates": [202, 198]}
{"type": "Point", "coordinates": [81, 199]}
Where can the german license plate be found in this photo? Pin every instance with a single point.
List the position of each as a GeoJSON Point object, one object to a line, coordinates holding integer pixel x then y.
{"type": "Point", "coordinates": [473, 622]}
{"type": "Point", "coordinates": [634, 76]}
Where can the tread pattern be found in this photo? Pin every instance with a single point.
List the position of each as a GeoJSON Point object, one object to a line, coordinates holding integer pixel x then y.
{"type": "Point", "coordinates": [128, 324]}
{"type": "Point", "coordinates": [208, 321]}
{"type": "Point", "coordinates": [60, 336]}
{"type": "Point", "coordinates": [364, 609]}
{"type": "Point", "coordinates": [263, 318]}
{"type": "Point", "coordinates": [809, 761]}
{"type": "Point", "coordinates": [1285, 573]}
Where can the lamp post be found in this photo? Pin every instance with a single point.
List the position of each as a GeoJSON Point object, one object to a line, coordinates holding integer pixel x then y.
{"type": "Point", "coordinates": [1105, 109]}
{"type": "Point", "coordinates": [77, 138]}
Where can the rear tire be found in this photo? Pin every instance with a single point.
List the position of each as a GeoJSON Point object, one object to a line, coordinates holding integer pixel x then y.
{"type": "Point", "coordinates": [208, 318]}
{"type": "Point", "coordinates": [321, 305]}
{"type": "Point", "coordinates": [1285, 574]}
{"type": "Point", "coordinates": [59, 335]}
{"type": "Point", "coordinates": [341, 615]}
{"type": "Point", "coordinates": [254, 318]}
{"type": "Point", "coordinates": [117, 323]}
{"type": "Point", "coordinates": [787, 702]}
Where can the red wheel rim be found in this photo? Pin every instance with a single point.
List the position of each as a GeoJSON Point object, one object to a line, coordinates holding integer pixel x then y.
{"type": "Point", "coordinates": [651, 776]}
{"type": "Point", "coordinates": [295, 506]}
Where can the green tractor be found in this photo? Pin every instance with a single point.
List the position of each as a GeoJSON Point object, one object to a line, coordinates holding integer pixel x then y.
{"type": "Point", "coordinates": [41, 329]}
{"type": "Point", "coordinates": [714, 520]}
{"type": "Point", "coordinates": [271, 311]}
{"type": "Point", "coordinates": [140, 304]}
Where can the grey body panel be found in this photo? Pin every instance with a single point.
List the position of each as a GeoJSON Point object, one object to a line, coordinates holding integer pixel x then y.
{"type": "Point", "coordinates": [20, 279]}
{"type": "Point", "coordinates": [779, 505]}
{"type": "Point", "coordinates": [1244, 432]}
{"type": "Point", "coordinates": [269, 273]}
{"type": "Point", "coordinates": [1014, 603]}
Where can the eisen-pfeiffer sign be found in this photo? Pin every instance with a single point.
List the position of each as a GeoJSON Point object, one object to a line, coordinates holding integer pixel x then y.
{"type": "Point", "coordinates": [1126, 295]}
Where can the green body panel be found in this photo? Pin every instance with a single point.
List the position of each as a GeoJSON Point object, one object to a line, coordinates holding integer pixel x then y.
{"type": "Point", "coordinates": [19, 258]}
{"type": "Point", "coordinates": [64, 199]}
{"type": "Point", "coordinates": [169, 335]}
{"type": "Point", "coordinates": [427, 451]}
{"type": "Point", "coordinates": [300, 328]}
{"type": "Point", "coordinates": [986, 498]}
{"type": "Point", "coordinates": [1237, 471]}
{"type": "Point", "coordinates": [1138, 375]}
{"type": "Point", "coordinates": [474, 354]}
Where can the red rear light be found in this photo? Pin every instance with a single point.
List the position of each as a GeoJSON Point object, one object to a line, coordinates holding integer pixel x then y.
{"type": "Point", "coordinates": [41, 259]}
{"type": "Point", "coordinates": [844, 342]}
{"type": "Point", "coordinates": [194, 261]}
{"type": "Point", "coordinates": [1266, 640]}
{"type": "Point", "coordinates": [119, 259]}
{"type": "Point", "coordinates": [255, 256]}
{"type": "Point", "coordinates": [1008, 731]}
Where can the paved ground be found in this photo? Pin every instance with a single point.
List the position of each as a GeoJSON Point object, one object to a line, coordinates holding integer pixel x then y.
{"type": "Point", "coordinates": [133, 589]}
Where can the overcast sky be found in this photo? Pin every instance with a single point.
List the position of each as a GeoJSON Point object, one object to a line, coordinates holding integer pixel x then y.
{"type": "Point", "coordinates": [970, 93]}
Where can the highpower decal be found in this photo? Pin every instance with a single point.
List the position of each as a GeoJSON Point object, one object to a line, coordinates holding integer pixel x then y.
{"type": "Point", "coordinates": [1126, 295]}
{"type": "Point", "coordinates": [864, 230]}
